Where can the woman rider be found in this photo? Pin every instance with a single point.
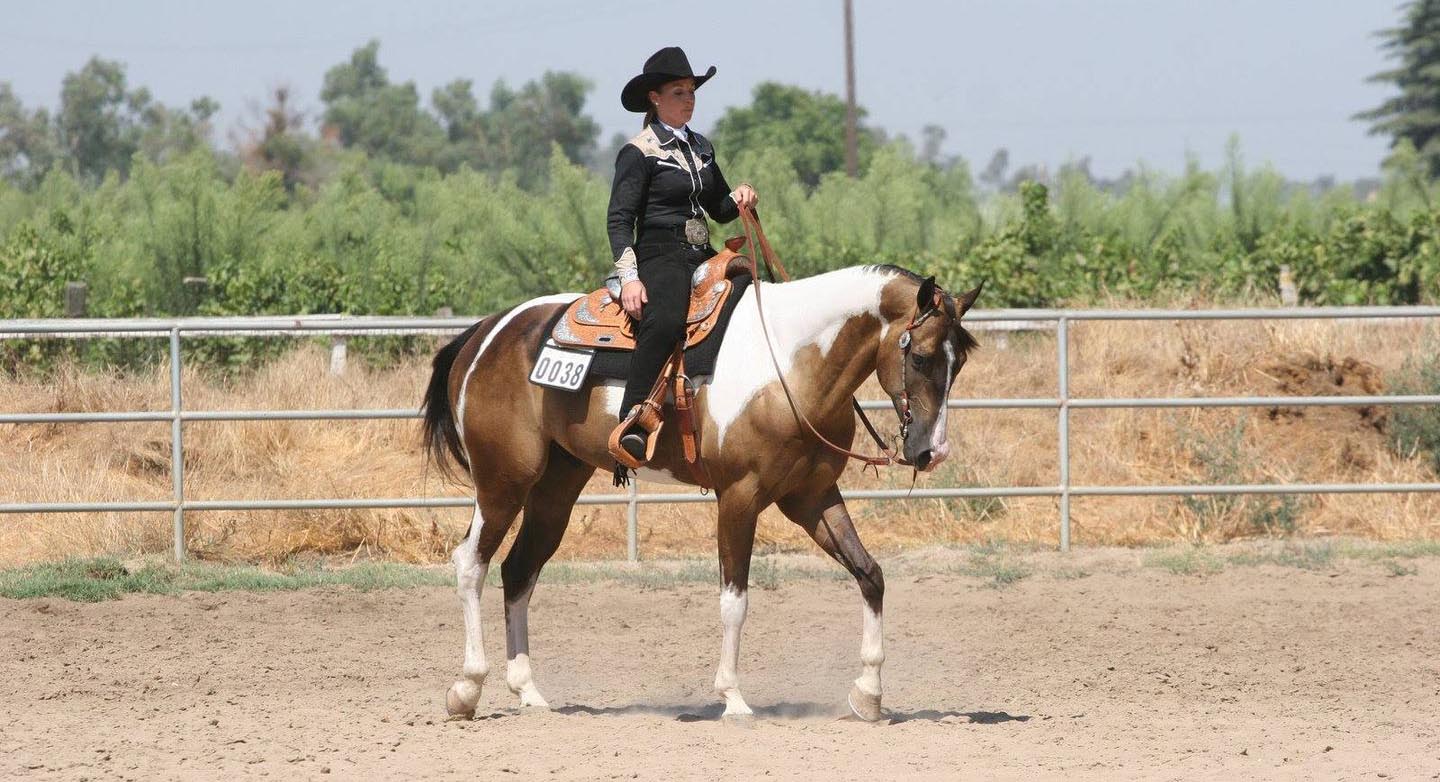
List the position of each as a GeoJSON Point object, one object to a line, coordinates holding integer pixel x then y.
{"type": "Point", "coordinates": [664, 178]}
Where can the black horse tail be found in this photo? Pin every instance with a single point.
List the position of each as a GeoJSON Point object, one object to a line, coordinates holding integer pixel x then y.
{"type": "Point", "coordinates": [441, 438]}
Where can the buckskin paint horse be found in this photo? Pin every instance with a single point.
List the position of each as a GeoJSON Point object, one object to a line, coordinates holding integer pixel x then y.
{"type": "Point", "coordinates": [532, 449]}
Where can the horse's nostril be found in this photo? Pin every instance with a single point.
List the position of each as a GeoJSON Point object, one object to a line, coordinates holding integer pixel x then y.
{"type": "Point", "coordinates": [923, 460]}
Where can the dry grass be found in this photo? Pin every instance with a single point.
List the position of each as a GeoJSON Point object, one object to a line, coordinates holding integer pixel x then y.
{"type": "Point", "coordinates": [102, 462]}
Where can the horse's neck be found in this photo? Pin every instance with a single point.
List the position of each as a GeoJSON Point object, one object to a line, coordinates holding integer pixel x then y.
{"type": "Point", "coordinates": [807, 321]}
{"type": "Point", "coordinates": [837, 313]}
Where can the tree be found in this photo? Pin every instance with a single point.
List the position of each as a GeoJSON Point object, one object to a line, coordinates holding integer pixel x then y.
{"type": "Point", "coordinates": [994, 172]}
{"type": "Point", "coordinates": [102, 124]}
{"type": "Point", "coordinates": [281, 143]}
{"type": "Point", "coordinates": [366, 111]}
{"type": "Point", "coordinates": [808, 126]}
{"type": "Point", "coordinates": [27, 141]}
{"type": "Point", "coordinates": [1414, 114]}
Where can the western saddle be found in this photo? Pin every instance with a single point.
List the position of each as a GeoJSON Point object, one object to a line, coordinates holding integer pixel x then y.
{"type": "Point", "coordinates": [598, 320]}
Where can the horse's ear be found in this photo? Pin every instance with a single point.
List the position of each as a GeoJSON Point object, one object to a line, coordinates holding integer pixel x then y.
{"type": "Point", "coordinates": [966, 300]}
{"type": "Point", "coordinates": [925, 299]}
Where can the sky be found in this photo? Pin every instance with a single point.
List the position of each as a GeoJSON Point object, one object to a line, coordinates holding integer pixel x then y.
{"type": "Point", "coordinates": [1119, 81]}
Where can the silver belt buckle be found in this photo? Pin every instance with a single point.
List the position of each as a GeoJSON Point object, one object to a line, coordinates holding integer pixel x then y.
{"type": "Point", "coordinates": [697, 231]}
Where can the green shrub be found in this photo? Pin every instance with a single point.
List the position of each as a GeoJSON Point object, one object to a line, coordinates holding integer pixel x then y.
{"type": "Point", "coordinates": [1415, 429]}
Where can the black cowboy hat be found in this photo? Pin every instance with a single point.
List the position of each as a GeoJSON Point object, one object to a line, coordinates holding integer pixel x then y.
{"type": "Point", "coordinates": [668, 64]}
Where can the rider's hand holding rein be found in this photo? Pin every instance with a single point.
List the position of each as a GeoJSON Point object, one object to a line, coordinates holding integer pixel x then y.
{"type": "Point", "coordinates": [745, 196]}
{"type": "Point", "coordinates": [632, 294]}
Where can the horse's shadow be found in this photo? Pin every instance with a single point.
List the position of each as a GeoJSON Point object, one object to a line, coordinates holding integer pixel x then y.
{"type": "Point", "coordinates": [973, 717]}
{"type": "Point", "coordinates": [689, 712]}
{"type": "Point", "coordinates": [788, 711]}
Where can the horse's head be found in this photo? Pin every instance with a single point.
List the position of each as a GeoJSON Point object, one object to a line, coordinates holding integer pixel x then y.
{"type": "Point", "coordinates": [921, 353]}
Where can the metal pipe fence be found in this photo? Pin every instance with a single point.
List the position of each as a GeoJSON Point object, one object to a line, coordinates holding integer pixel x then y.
{"type": "Point", "coordinates": [1003, 321]}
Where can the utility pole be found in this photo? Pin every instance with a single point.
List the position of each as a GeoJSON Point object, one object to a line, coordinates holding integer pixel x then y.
{"type": "Point", "coordinates": [852, 156]}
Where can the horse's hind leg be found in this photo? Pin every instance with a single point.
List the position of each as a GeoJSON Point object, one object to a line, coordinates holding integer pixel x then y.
{"type": "Point", "coordinates": [495, 510]}
{"type": "Point", "coordinates": [824, 517]}
{"type": "Point", "coordinates": [547, 514]}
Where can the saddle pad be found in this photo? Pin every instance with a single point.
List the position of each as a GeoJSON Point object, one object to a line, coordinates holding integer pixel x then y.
{"type": "Point", "coordinates": [613, 364]}
{"type": "Point", "coordinates": [598, 321]}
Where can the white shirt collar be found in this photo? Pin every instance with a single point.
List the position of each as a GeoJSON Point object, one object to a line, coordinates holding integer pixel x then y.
{"type": "Point", "coordinates": [680, 131]}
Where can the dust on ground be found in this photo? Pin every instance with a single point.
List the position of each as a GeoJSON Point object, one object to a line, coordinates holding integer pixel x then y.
{"type": "Point", "coordinates": [1094, 667]}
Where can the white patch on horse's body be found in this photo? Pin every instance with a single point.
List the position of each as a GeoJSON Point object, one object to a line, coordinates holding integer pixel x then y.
{"type": "Point", "coordinates": [558, 298]}
{"type": "Point", "coordinates": [733, 604]}
{"type": "Point", "coordinates": [469, 582]}
{"type": "Point", "coordinates": [872, 654]}
{"type": "Point", "coordinates": [805, 312]}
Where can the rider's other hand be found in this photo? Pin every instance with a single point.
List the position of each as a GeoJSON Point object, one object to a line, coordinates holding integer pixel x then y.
{"type": "Point", "coordinates": [633, 297]}
{"type": "Point", "coordinates": [745, 197]}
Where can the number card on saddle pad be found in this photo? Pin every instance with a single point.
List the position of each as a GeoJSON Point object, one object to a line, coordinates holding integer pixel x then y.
{"type": "Point", "coordinates": [560, 368]}
{"type": "Point", "coordinates": [700, 357]}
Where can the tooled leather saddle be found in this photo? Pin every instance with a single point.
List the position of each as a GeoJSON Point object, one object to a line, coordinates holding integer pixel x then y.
{"type": "Point", "coordinates": [597, 320]}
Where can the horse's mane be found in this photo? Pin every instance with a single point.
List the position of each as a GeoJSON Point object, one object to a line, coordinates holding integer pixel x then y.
{"type": "Point", "coordinates": [966, 339]}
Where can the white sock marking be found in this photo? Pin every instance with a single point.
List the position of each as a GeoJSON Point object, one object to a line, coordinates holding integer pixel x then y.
{"type": "Point", "coordinates": [521, 681]}
{"type": "Point", "coordinates": [872, 654]}
{"type": "Point", "coordinates": [733, 605]}
{"type": "Point", "coordinates": [469, 582]}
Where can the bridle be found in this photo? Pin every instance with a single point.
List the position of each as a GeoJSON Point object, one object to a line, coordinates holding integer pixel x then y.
{"type": "Point", "coordinates": [752, 226]}
{"type": "Point", "coordinates": [906, 417]}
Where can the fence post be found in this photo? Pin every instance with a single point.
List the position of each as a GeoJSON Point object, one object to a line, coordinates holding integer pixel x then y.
{"type": "Point", "coordinates": [1062, 340]}
{"type": "Point", "coordinates": [339, 350]}
{"type": "Point", "coordinates": [177, 446]}
{"type": "Point", "coordinates": [1289, 294]}
{"type": "Point", "coordinates": [75, 293]}
{"type": "Point", "coordinates": [632, 522]}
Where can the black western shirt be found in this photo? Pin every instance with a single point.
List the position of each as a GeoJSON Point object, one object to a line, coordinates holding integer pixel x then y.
{"type": "Point", "coordinates": [662, 180]}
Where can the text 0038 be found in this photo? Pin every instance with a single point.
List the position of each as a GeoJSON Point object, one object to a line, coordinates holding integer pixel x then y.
{"type": "Point", "coordinates": [559, 368]}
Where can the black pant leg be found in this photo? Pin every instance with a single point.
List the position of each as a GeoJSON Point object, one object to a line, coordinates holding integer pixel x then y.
{"type": "Point", "coordinates": [662, 322]}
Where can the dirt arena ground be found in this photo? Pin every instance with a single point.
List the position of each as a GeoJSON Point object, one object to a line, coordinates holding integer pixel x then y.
{"type": "Point", "coordinates": [1096, 666]}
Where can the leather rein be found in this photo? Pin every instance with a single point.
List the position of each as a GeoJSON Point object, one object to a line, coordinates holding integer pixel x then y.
{"type": "Point", "coordinates": [751, 223]}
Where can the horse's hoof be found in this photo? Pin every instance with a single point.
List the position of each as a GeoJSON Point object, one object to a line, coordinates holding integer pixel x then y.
{"type": "Point", "coordinates": [864, 705]}
{"type": "Point", "coordinates": [462, 697]}
{"type": "Point", "coordinates": [738, 720]}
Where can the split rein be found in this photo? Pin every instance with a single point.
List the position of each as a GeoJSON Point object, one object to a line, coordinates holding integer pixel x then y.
{"type": "Point", "coordinates": [777, 271]}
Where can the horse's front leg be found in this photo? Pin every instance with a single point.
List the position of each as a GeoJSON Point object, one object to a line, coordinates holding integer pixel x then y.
{"type": "Point", "coordinates": [736, 539]}
{"type": "Point", "coordinates": [824, 517]}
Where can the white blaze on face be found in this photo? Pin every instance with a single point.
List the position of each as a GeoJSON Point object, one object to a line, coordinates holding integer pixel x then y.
{"type": "Point", "coordinates": [799, 314]}
{"type": "Point", "coordinates": [939, 434]}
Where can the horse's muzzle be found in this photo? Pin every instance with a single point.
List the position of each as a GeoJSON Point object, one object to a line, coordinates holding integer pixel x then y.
{"type": "Point", "coordinates": [930, 458]}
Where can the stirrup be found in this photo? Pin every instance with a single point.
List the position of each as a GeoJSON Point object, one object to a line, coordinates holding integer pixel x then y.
{"type": "Point", "coordinates": [646, 417]}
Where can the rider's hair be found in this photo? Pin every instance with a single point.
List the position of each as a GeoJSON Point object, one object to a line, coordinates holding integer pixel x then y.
{"type": "Point", "coordinates": [650, 117]}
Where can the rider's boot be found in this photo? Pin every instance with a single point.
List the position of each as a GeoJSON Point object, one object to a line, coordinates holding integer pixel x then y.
{"type": "Point", "coordinates": [632, 443]}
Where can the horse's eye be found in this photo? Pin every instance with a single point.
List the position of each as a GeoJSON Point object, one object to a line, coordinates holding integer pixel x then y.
{"type": "Point", "coordinates": [918, 360]}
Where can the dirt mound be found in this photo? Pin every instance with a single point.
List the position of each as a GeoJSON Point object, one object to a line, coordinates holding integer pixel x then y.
{"type": "Point", "coordinates": [1312, 375]}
